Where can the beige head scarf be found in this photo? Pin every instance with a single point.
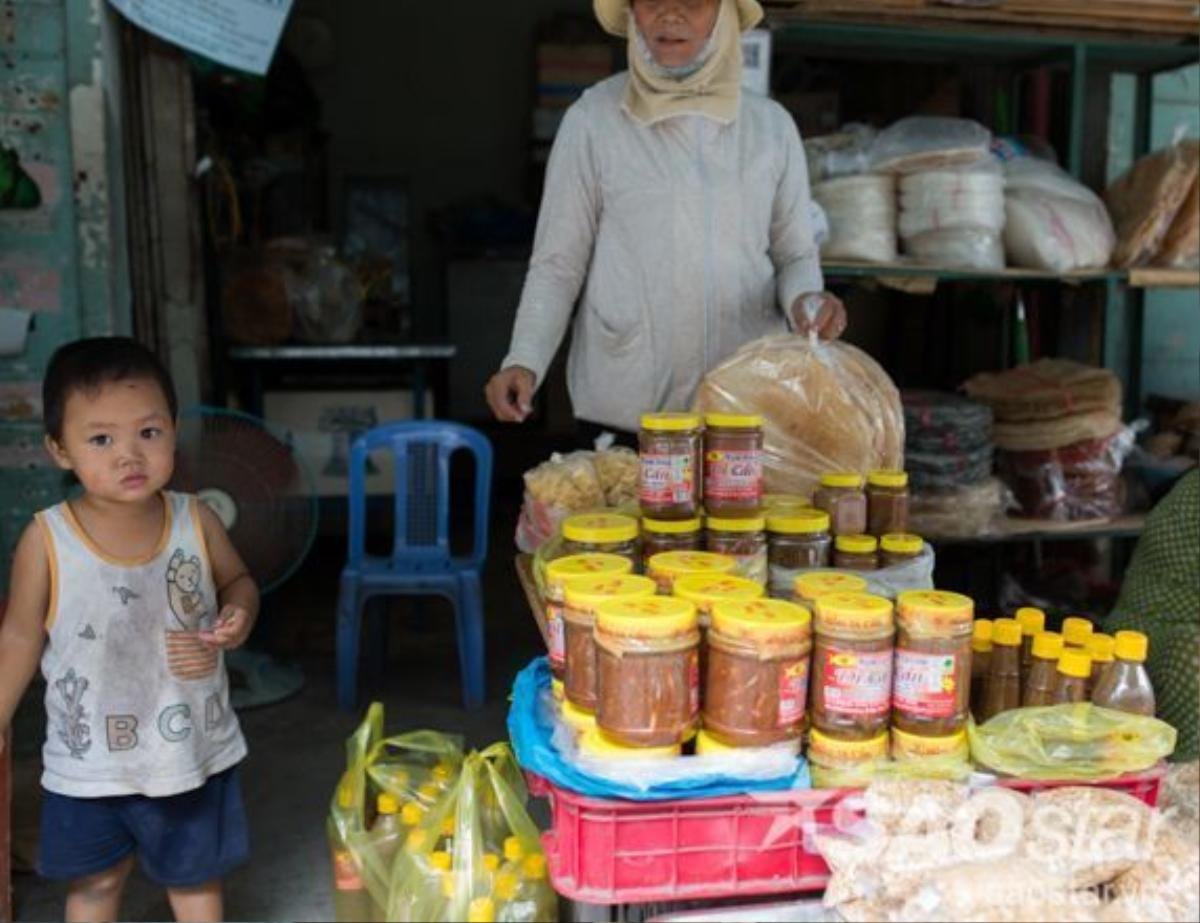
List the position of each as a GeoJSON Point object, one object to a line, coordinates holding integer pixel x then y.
{"type": "Point", "coordinates": [713, 90]}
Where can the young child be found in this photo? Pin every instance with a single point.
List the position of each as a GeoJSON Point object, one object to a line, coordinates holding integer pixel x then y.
{"type": "Point", "coordinates": [127, 594]}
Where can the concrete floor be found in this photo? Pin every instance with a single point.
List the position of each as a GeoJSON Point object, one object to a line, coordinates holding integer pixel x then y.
{"type": "Point", "coordinates": [296, 747]}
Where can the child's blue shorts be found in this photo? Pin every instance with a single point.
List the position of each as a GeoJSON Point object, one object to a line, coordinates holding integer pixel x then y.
{"type": "Point", "coordinates": [182, 841]}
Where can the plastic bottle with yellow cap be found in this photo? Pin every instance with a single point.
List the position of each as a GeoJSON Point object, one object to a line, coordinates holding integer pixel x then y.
{"type": "Point", "coordinates": [887, 502]}
{"type": "Point", "coordinates": [756, 678]}
{"type": "Point", "coordinates": [932, 687]}
{"type": "Point", "coordinates": [1004, 677]}
{"type": "Point", "coordinates": [809, 587]}
{"type": "Point", "coordinates": [601, 533]}
{"type": "Point", "coordinates": [559, 573]}
{"type": "Point", "coordinates": [1074, 673]}
{"type": "Point", "coordinates": [387, 835]}
{"type": "Point", "coordinates": [665, 569]}
{"type": "Point", "coordinates": [733, 465]}
{"type": "Point", "coordinates": [670, 446]}
{"type": "Point", "coordinates": [852, 666]}
{"type": "Point", "coordinates": [647, 670]}
{"type": "Point", "coordinates": [856, 552]}
{"type": "Point", "coordinates": [1076, 631]}
{"type": "Point", "coordinates": [1033, 623]}
{"type": "Point", "coordinates": [579, 616]}
{"type": "Point", "coordinates": [744, 540]}
{"type": "Point", "coordinates": [981, 659]}
{"type": "Point", "coordinates": [351, 901]}
{"type": "Point", "coordinates": [841, 495]}
{"type": "Point", "coordinates": [1125, 685]}
{"type": "Point", "coordinates": [1102, 649]}
{"type": "Point", "coordinates": [1042, 677]}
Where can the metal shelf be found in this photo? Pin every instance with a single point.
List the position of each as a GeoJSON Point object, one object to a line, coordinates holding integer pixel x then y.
{"type": "Point", "coordinates": [1026, 530]}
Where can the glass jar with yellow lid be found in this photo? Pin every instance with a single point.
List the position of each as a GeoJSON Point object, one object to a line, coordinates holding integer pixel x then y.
{"type": "Point", "coordinates": [647, 670]}
{"type": "Point", "coordinates": [841, 495]}
{"type": "Point", "coordinates": [662, 535]}
{"type": "Point", "coordinates": [836, 762]}
{"type": "Point", "coordinates": [887, 502]}
{"type": "Point", "coordinates": [706, 590]}
{"type": "Point", "coordinates": [744, 540]}
{"type": "Point", "coordinates": [756, 678]}
{"type": "Point", "coordinates": [665, 569]}
{"type": "Point", "coordinates": [670, 447]}
{"type": "Point", "coordinates": [932, 688]}
{"type": "Point", "coordinates": [798, 540]}
{"type": "Point", "coordinates": [597, 745]}
{"type": "Point", "coordinates": [856, 552]}
{"type": "Point", "coordinates": [707, 745]}
{"type": "Point", "coordinates": [733, 465]}
{"type": "Point", "coordinates": [915, 748]}
{"type": "Point", "coordinates": [603, 533]}
{"type": "Point", "coordinates": [559, 573]}
{"type": "Point", "coordinates": [579, 616]}
{"type": "Point", "coordinates": [783, 502]}
{"type": "Point", "coordinates": [852, 665]}
{"type": "Point", "coordinates": [898, 548]}
{"type": "Point", "coordinates": [810, 587]}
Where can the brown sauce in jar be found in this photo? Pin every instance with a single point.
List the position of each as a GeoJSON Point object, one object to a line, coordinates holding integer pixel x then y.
{"type": "Point", "coordinates": [856, 552]}
{"type": "Point", "coordinates": [899, 548]}
{"type": "Point", "coordinates": [798, 540]}
{"type": "Point", "coordinates": [852, 666]}
{"type": "Point", "coordinates": [579, 616]}
{"type": "Point", "coordinates": [756, 680]}
{"type": "Point", "coordinates": [1074, 675]}
{"type": "Point", "coordinates": [744, 540]}
{"type": "Point", "coordinates": [601, 533]}
{"type": "Point", "coordinates": [887, 502]}
{"type": "Point", "coordinates": [842, 497]}
{"type": "Point", "coordinates": [733, 465]}
{"type": "Point", "coordinates": [1004, 677]}
{"type": "Point", "coordinates": [932, 685]}
{"type": "Point", "coordinates": [662, 535]}
{"type": "Point", "coordinates": [648, 671]}
{"type": "Point", "coordinates": [559, 573]}
{"type": "Point", "coordinates": [1041, 678]}
{"type": "Point", "coordinates": [670, 448]}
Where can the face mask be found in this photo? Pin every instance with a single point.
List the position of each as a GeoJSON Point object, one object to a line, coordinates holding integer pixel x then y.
{"type": "Point", "coordinates": [683, 71]}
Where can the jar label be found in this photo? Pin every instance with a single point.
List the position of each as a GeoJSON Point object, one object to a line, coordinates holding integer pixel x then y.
{"type": "Point", "coordinates": [668, 479]}
{"type": "Point", "coordinates": [857, 683]}
{"type": "Point", "coordinates": [793, 690]}
{"type": "Point", "coordinates": [556, 629]}
{"type": "Point", "coordinates": [693, 679]}
{"type": "Point", "coordinates": [733, 475]}
{"type": "Point", "coordinates": [925, 684]}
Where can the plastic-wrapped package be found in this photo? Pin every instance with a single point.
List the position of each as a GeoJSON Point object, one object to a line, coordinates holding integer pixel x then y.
{"type": "Point", "coordinates": [920, 143]}
{"type": "Point", "coordinates": [1043, 435]}
{"type": "Point", "coordinates": [949, 468]}
{"type": "Point", "coordinates": [862, 217]}
{"type": "Point", "coordinates": [889, 582]}
{"type": "Point", "coordinates": [958, 248]}
{"type": "Point", "coordinates": [958, 512]}
{"type": "Point", "coordinates": [1145, 200]}
{"type": "Point", "coordinates": [1052, 221]}
{"type": "Point", "coordinates": [1181, 246]}
{"type": "Point", "coordinates": [972, 197]}
{"type": "Point", "coordinates": [826, 406]}
{"type": "Point", "coordinates": [1077, 482]}
{"type": "Point", "coordinates": [580, 482]}
{"type": "Point", "coordinates": [948, 439]}
{"type": "Point", "coordinates": [1046, 390]}
{"type": "Point", "coordinates": [843, 153]}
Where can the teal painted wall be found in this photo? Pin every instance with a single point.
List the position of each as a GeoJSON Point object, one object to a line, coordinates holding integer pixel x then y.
{"type": "Point", "coordinates": [56, 261]}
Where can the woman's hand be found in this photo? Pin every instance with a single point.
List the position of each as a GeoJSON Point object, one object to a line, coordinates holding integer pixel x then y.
{"type": "Point", "coordinates": [510, 394]}
{"type": "Point", "coordinates": [821, 313]}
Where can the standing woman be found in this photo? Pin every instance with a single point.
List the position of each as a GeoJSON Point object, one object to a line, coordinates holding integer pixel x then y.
{"type": "Point", "coordinates": [676, 224]}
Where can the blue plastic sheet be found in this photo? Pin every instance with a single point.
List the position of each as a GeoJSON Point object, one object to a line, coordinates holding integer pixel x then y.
{"type": "Point", "coordinates": [531, 731]}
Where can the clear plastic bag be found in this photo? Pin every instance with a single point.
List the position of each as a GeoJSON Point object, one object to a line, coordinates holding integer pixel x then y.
{"type": "Point", "coordinates": [1078, 482]}
{"type": "Point", "coordinates": [961, 248]}
{"type": "Point", "coordinates": [844, 153]}
{"type": "Point", "coordinates": [1052, 221]}
{"type": "Point", "coordinates": [862, 217]}
{"type": "Point", "coordinates": [970, 197]}
{"type": "Point", "coordinates": [1145, 200]}
{"type": "Point", "coordinates": [890, 582]}
{"type": "Point", "coordinates": [1079, 742]}
{"type": "Point", "coordinates": [580, 482]}
{"type": "Point", "coordinates": [1181, 247]}
{"type": "Point", "coordinates": [921, 143]}
{"type": "Point", "coordinates": [826, 406]}
{"type": "Point", "coordinates": [959, 512]}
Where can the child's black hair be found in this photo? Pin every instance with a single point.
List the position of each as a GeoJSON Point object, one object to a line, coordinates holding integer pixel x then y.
{"type": "Point", "coordinates": [87, 364]}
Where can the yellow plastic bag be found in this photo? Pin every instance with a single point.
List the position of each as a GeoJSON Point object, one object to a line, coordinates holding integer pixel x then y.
{"type": "Point", "coordinates": [477, 855]}
{"type": "Point", "coordinates": [1081, 741]}
{"type": "Point", "coordinates": [948, 768]}
{"type": "Point", "coordinates": [416, 770]}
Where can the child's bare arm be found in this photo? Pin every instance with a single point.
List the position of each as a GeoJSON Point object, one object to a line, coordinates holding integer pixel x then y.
{"type": "Point", "coordinates": [23, 631]}
{"type": "Point", "coordinates": [236, 590]}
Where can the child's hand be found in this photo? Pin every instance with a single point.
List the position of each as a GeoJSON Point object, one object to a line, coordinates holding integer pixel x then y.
{"type": "Point", "coordinates": [230, 630]}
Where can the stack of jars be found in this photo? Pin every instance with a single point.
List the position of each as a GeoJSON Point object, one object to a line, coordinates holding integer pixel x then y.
{"type": "Point", "coordinates": [1020, 664]}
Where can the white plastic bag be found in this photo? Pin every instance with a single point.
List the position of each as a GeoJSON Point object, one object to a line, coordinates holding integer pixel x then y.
{"type": "Point", "coordinates": [958, 248]}
{"type": "Point", "coordinates": [844, 153]}
{"type": "Point", "coordinates": [862, 217]}
{"type": "Point", "coordinates": [1052, 221]}
{"type": "Point", "coordinates": [945, 199]}
{"type": "Point", "coordinates": [922, 143]}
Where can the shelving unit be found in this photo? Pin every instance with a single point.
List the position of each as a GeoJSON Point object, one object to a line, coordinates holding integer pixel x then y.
{"type": "Point", "coordinates": [1023, 530]}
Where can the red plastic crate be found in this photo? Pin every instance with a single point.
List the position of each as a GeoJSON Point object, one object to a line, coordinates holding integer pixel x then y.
{"type": "Point", "coordinates": [602, 851]}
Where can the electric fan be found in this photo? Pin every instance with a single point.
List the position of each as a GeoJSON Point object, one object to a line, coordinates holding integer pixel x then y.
{"type": "Point", "coordinates": [264, 495]}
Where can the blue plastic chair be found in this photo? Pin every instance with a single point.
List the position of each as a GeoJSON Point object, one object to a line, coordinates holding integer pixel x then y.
{"type": "Point", "coordinates": [421, 563]}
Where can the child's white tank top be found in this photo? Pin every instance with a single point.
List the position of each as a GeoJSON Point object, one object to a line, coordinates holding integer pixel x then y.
{"type": "Point", "coordinates": [136, 703]}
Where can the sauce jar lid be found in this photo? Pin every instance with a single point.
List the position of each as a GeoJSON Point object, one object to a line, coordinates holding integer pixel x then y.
{"type": "Point", "coordinates": [797, 521]}
{"type": "Point", "coordinates": [1032, 620]}
{"type": "Point", "coordinates": [817, 583]}
{"type": "Point", "coordinates": [1076, 631]}
{"type": "Point", "coordinates": [767, 620]}
{"type": "Point", "coordinates": [846, 479]}
{"type": "Point", "coordinates": [576, 718]}
{"type": "Point", "coordinates": [706, 744]}
{"type": "Point", "coordinates": [1102, 647]}
{"type": "Point", "coordinates": [854, 613]}
{"type": "Point", "coordinates": [1132, 645]}
{"type": "Point", "coordinates": [670, 422]}
{"type": "Point", "coordinates": [600, 528]}
{"type": "Point", "coordinates": [1006, 632]}
{"type": "Point", "coordinates": [750, 524]}
{"type": "Point", "coordinates": [851, 751]}
{"type": "Point", "coordinates": [1047, 645]}
{"type": "Point", "coordinates": [800, 501]}
{"type": "Point", "coordinates": [671, 526]}
{"type": "Point", "coordinates": [587, 565]}
{"type": "Point", "coordinates": [887, 478]}
{"type": "Point", "coordinates": [706, 589]}
{"type": "Point", "coordinates": [646, 616]}
{"type": "Point", "coordinates": [981, 635]}
{"type": "Point", "coordinates": [902, 543]}
{"type": "Point", "coordinates": [935, 610]}
{"type": "Point", "coordinates": [734, 420]}
{"type": "Point", "coordinates": [1076, 664]}
{"type": "Point", "coordinates": [857, 544]}
{"type": "Point", "coordinates": [683, 563]}
{"type": "Point", "coordinates": [916, 746]}
{"type": "Point", "coordinates": [594, 743]}
{"type": "Point", "coordinates": [586, 592]}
